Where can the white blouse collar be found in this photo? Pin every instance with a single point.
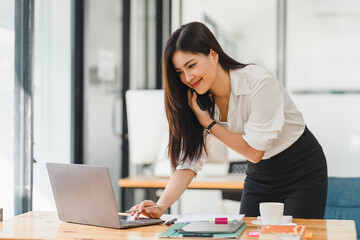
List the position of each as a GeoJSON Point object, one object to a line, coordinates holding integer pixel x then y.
{"type": "Point", "coordinates": [239, 82]}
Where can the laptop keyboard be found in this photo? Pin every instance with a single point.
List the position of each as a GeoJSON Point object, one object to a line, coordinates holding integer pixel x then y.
{"type": "Point", "coordinates": [127, 222]}
{"type": "Point", "coordinates": [143, 222]}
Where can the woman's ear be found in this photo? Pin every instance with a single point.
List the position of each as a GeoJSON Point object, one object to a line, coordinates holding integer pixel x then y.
{"type": "Point", "coordinates": [214, 55]}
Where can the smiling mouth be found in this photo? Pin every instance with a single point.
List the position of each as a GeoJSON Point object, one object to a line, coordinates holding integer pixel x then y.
{"type": "Point", "coordinates": [196, 83]}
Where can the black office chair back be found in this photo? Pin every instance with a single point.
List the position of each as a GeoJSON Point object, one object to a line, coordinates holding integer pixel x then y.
{"type": "Point", "coordinates": [239, 167]}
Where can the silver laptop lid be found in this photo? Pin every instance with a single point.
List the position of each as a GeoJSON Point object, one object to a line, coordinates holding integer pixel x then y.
{"type": "Point", "coordinates": [83, 194]}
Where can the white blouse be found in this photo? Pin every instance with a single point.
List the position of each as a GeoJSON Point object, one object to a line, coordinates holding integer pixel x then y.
{"type": "Point", "coordinates": [261, 110]}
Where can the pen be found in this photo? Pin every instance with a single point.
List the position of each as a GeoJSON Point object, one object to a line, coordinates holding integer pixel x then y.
{"type": "Point", "coordinates": [198, 235]}
{"type": "Point", "coordinates": [135, 210]}
{"type": "Point", "coordinates": [172, 221]}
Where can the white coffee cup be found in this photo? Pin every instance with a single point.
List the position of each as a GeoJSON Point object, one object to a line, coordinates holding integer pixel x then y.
{"type": "Point", "coordinates": [271, 213]}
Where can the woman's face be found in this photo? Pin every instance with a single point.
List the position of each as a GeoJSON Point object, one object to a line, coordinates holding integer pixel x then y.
{"type": "Point", "coordinates": [197, 71]}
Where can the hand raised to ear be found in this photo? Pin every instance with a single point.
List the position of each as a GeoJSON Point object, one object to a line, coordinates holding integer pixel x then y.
{"type": "Point", "coordinates": [202, 116]}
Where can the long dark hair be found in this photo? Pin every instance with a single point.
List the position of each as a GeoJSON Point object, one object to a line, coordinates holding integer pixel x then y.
{"type": "Point", "coordinates": [186, 135]}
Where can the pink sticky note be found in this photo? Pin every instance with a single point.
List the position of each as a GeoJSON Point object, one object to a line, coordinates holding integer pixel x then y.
{"type": "Point", "coordinates": [254, 234]}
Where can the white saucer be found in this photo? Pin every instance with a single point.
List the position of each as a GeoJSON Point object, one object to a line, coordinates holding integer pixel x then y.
{"type": "Point", "coordinates": [286, 220]}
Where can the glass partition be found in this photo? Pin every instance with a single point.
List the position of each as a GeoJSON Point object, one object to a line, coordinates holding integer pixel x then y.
{"type": "Point", "coordinates": [246, 29]}
{"type": "Point", "coordinates": [143, 45]}
{"type": "Point", "coordinates": [51, 94]}
{"type": "Point", "coordinates": [7, 51]}
{"type": "Point", "coordinates": [102, 86]}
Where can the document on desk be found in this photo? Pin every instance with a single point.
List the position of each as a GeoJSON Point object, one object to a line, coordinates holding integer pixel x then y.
{"type": "Point", "coordinates": [174, 231]}
{"type": "Point", "coordinates": [210, 217]}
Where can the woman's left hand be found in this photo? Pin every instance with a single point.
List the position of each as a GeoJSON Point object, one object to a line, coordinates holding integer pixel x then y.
{"type": "Point", "coordinates": [203, 116]}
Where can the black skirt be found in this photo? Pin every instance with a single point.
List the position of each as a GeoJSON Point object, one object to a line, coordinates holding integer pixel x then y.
{"type": "Point", "coordinates": [297, 177]}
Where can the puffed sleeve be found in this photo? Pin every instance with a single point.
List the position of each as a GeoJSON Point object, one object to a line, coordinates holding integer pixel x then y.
{"type": "Point", "coordinates": [267, 114]}
{"type": "Point", "coordinates": [195, 165]}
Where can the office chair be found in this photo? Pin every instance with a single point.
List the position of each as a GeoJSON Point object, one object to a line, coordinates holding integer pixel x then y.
{"type": "Point", "coordinates": [238, 167]}
{"type": "Point", "coordinates": [343, 200]}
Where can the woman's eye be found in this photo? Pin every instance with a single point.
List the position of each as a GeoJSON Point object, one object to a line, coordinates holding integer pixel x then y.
{"type": "Point", "coordinates": [192, 65]}
{"type": "Point", "coordinates": [178, 72]}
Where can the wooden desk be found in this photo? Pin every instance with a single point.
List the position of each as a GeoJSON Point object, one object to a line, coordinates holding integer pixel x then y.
{"type": "Point", "coordinates": [225, 182]}
{"type": "Point", "coordinates": [46, 225]}
{"type": "Point", "coordinates": [151, 184]}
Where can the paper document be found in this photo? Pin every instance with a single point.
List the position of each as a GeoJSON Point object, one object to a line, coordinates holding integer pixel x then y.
{"type": "Point", "coordinates": [174, 232]}
{"type": "Point", "coordinates": [208, 217]}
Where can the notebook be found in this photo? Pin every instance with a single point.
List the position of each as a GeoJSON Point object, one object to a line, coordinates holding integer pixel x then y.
{"type": "Point", "coordinates": [209, 227]}
{"type": "Point", "coordinates": [173, 232]}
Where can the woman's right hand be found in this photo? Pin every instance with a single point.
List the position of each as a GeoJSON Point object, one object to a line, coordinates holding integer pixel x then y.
{"type": "Point", "coordinates": [177, 184]}
{"type": "Point", "coordinates": [202, 116]}
{"type": "Point", "coordinates": [155, 212]}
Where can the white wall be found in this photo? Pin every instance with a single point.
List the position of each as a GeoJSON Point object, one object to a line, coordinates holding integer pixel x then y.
{"type": "Point", "coordinates": [324, 55]}
{"type": "Point", "coordinates": [52, 94]}
{"type": "Point", "coordinates": [323, 45]}
{"type": "Point", "coordinates": [335, 122]}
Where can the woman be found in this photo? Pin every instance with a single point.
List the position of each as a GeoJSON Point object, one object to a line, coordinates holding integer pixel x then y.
{"type": "Point", "coordinates": [251, 113]}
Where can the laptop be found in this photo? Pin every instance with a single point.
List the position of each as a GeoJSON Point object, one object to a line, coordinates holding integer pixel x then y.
{"type": "Point", "coordinates": [84, 194]}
